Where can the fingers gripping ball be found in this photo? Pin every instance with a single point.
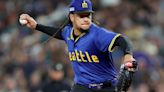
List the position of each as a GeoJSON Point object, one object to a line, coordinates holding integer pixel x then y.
{"type": "Point", "coordinates": [23, 21]}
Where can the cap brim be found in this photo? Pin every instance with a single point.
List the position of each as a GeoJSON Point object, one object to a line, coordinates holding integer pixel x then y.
{"type": "Point", "coordinates": [83, 12]}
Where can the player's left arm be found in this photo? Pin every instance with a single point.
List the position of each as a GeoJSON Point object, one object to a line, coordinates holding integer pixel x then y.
{"type": "Point", "coordinates": [125, 44]}
{"type": "Point", "coordinates": [129, 65]}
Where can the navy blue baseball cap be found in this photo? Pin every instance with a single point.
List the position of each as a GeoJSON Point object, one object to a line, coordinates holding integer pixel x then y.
{"type": "Point", "coordinates": [80, 6]}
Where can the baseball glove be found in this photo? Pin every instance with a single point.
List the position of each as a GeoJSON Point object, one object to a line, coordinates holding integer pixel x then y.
{"type": "Point", "coordinates": [125, 78]}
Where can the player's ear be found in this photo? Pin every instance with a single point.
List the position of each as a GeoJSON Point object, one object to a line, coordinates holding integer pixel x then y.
{"type": "Point", "coordinates": [71, 17]}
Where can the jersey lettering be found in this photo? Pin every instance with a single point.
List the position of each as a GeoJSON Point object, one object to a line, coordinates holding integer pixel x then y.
{"type": "Point", "coordinates": [82, 57]}
{"type": "Point", "coordinates": [79, 56]}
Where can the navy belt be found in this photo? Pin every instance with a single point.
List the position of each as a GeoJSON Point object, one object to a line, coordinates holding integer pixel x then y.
{"type": "Point", "coordinates": [99, 85]}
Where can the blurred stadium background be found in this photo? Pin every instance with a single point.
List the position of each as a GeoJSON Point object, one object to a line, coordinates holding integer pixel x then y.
{"type": "Point", "coordinates": [25, 59]}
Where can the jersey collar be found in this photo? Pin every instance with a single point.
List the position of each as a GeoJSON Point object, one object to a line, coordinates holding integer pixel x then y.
{"type": "Point", "coordinates": [71, 34]}
{"type": "Point", "coordinates": [72, 38]}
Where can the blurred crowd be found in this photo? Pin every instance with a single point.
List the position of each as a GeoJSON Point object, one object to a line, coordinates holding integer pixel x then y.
{"type": "Point", "coordinates": [29, 62]}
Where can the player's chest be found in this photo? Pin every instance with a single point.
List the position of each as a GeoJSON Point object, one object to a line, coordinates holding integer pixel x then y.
{"type": "Point", "coordinates": [83, 51]}
{"type": "Point", "coordinates": [85, 43]}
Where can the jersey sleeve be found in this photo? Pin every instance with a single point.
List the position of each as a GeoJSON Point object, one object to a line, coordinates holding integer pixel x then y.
{"type": "Point", "coordinates": [105, 40]}
{"type": "Point", "coordinates": [66, 32]}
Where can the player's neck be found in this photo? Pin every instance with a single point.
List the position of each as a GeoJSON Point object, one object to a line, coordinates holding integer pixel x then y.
{"type": "Point", "coordinates": [77, 32]}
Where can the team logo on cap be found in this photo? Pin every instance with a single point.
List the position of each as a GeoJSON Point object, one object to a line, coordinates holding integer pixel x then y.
{"type": "Point", "coordinates": [84, 4]}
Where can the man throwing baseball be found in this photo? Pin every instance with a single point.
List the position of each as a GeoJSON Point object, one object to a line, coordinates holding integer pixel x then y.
{"type": "Point", "coordinates": [90, 48]}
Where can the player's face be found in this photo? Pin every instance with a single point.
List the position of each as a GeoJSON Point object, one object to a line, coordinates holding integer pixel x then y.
{"type": "Point", "coordinates": [81, 20]}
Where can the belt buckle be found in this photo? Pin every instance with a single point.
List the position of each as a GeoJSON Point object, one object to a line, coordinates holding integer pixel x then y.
{"type": "Point", "coordinates": [97, 86]}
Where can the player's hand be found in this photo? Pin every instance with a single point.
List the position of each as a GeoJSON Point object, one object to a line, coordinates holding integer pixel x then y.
{"type": "Point", "coordinates": [130, 63]}
{"type": "Point", "coordinates": [130, 66]}
{"type": "Point", "coordinates": [28, 21]}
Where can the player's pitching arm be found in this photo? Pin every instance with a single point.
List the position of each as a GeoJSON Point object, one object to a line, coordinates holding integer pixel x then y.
{"type": "Point", "coordinates": [30, 22]}
{"type": "Point", "coordinates": [129, 65]}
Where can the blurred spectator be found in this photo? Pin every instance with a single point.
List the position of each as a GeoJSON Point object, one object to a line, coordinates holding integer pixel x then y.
{"type": "Point", "coordinates": [56, 82]}
{"type": "Point", "coordinates": [35, 82]}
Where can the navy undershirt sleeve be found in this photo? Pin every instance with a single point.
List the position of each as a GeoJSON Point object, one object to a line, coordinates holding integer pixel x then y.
{"type": "Point", "coordinates": [124, 43]}
{"type": "Point", "coordinates": [50, 31]}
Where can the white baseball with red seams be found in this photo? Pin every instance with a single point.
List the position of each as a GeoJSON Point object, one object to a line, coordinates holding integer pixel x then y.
{"type": "Point", "coordinates": [23, 21]}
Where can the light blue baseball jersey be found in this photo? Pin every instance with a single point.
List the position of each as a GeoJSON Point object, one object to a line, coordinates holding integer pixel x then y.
{"type": "Point", "coordinates": [90, 54]}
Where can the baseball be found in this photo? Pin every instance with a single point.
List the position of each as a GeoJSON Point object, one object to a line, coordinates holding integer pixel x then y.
{"type": "Point", "coordinates": [22, 21]}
